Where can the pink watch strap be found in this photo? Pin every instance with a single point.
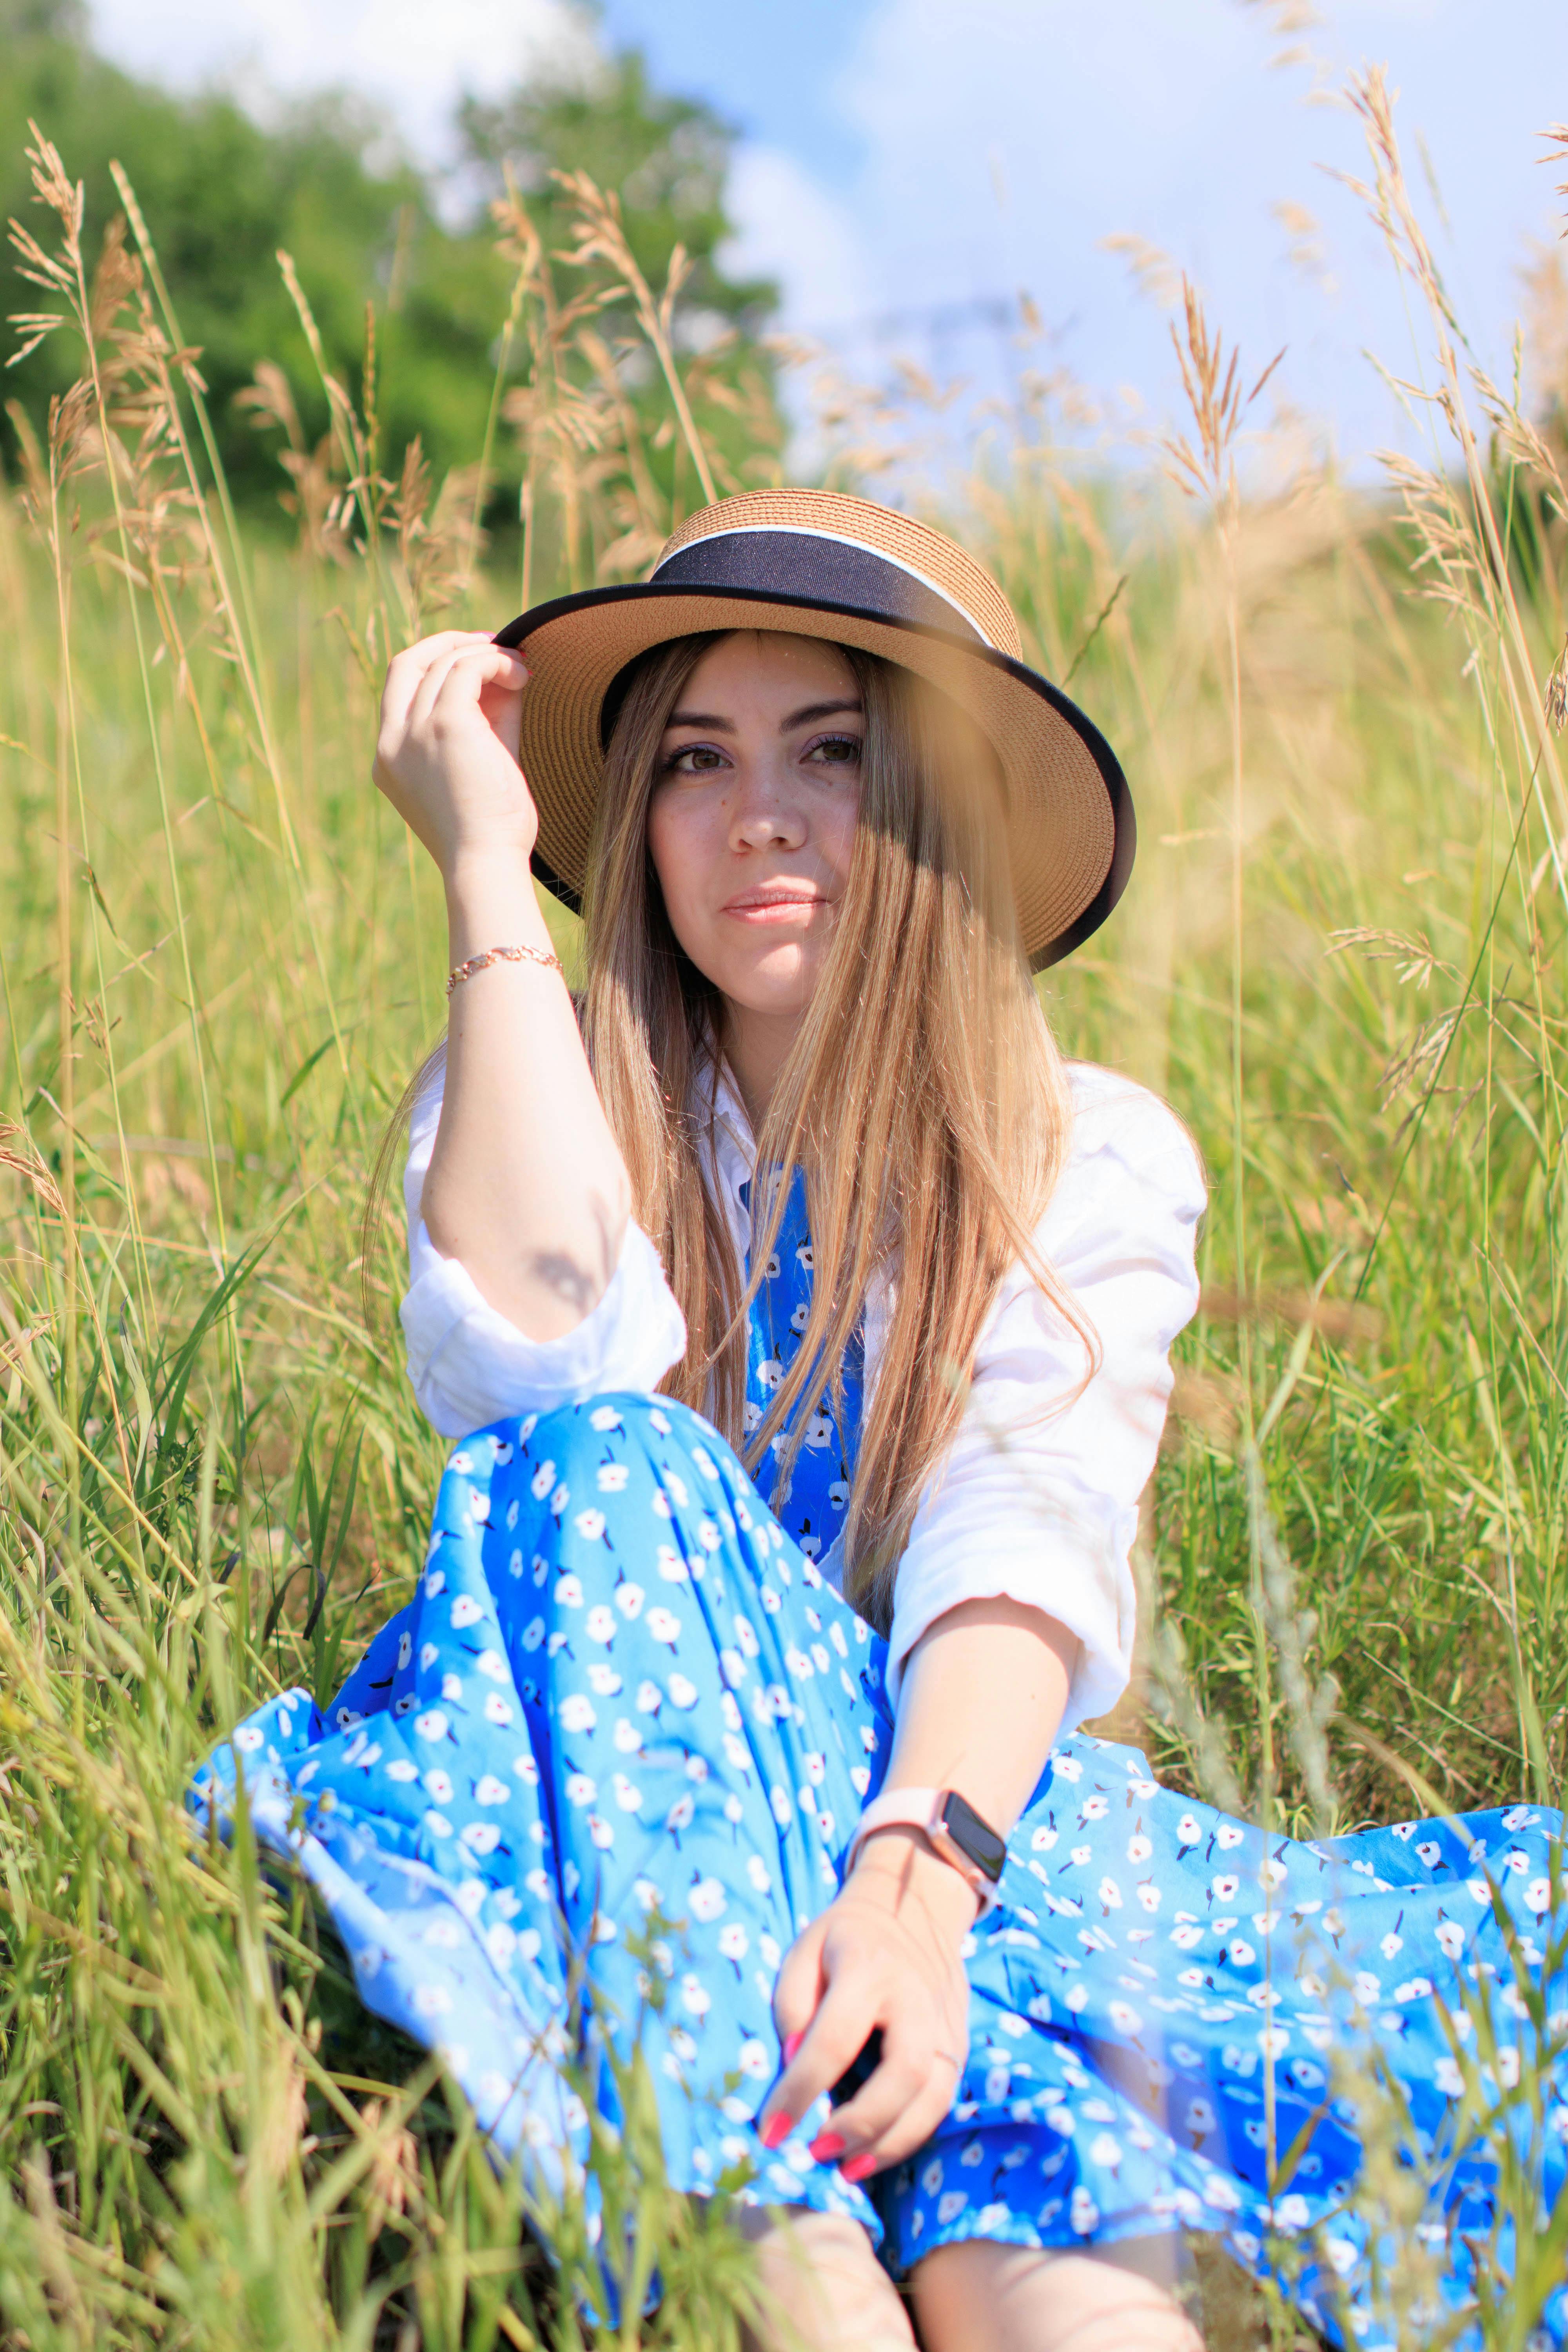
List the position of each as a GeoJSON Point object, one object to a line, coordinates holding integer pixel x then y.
{"type": "Point", "coordinates": [920, 1809]}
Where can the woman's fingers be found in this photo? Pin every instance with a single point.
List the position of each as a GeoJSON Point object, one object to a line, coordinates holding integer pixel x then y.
{"type": "Point", "coordinates": [899, 2105]}
{"type": "Point", "coordinates": [459, 675]}
{"type": "Point", "coordinates": [405, 670]}
{"type": "Point", "coordinates": [855, 2005]}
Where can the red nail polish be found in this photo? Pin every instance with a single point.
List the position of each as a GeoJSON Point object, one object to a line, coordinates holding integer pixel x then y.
{"type": "Point", "coordinates": [792, 2043]}
{"type": "Point", "coordinates": [859, 2168]}
{"type": "Point", "coordinates": [826, 2147]}
{"type": "Point", "coordinates": [777, 2127]}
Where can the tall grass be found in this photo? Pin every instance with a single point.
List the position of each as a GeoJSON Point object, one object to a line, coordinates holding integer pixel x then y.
{"type": "Point", "coordinates": [1342, 959]}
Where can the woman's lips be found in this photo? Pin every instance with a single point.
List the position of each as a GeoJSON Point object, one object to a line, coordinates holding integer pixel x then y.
{"type": "Point", "coordinates": [774, 908]}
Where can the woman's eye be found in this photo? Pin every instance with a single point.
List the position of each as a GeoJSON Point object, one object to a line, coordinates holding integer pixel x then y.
{"type": "Point", "coordinates": [837, 751]}
{"type": "Point", "coordinates": [694, 760]}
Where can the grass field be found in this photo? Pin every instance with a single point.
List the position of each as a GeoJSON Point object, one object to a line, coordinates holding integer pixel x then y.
{"type": "Point", "coordinates": [1342, 959]}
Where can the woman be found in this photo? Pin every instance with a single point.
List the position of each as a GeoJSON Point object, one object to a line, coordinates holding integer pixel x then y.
{"type": "Point", "coordinates": [803, 1193]}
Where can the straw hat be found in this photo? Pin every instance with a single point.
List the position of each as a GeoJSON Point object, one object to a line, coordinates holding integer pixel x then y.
{"type": "Point", "coordinates": [819, 564]}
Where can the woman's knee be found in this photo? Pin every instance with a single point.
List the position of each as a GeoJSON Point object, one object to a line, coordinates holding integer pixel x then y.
{"type": "Point", "coordinates": [819, 2287]}
{"type": "Point", "coordinates": [982, 2296]}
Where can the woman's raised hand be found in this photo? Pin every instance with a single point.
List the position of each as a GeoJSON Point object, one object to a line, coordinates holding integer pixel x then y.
{"type": "Point", "coordinates": [883, 1957]}
{"type": "Point", "coordinates": [445, 755]}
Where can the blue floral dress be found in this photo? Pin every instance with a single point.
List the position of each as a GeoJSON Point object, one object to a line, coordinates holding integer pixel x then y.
{"type": "Point", "coordinates": [624, 1725]}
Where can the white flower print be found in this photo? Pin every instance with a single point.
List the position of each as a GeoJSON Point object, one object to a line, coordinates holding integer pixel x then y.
{"type": "Point", "coordinates": [664, 1625]}
{"type": "Point", "coordinates": [630, 1599]}
{"type": "Point", "coordinates": [682, 1692]}
{"type": "Point", "coordinates": [1450, 1938]}
{"type": "Point", "coordinates": [751, 1417]}
{"type": "Point", "coordinates": [629, 1739]}
{"type": "Point", "coordinates": [610, 1477]}
{"type": "Point", "coordinates": [480, 1837]}
{"type": "Point", "coordinates": [465, 1610]}
{"type": "Point", "coordinates": [708, 1900]}
{"type": "Point", "coordinates": [452, 1688]}
{"type": "Point", "coordinates": [703, 1462]}
{"type": "Point", "coordinates": [590, 1525]}
{"type": "Point", "coordinates": [757, 1872]}
{"type": "Point", "coordinates": [676, 1489]}
{"type": "Point", "coordinates": [402, 1768]}
{"type": "Point", "coordinates": [755, 2060]}
{"type": "Point", "coordinates": [602, 1680]}
{"type": "Point", "coordinates": [576, 1713]}
{"type": "Point", "coordinates": [435, 1582]}
{"type": "Point", "coordinates": [670, 1565]}
{"type": "Point", "coordinates": [568, 1592]}
{"type": "Point", "coordinates": [541, 1568]}
{"type": "Point", "coordinates": [1241, 1954]}
{"type": "Point", "coordinates": [1538, 1896]}
{"type": "Point", "coordinates": [1083, 2213]}
{"type": "Point", "coordinates": [679, 1816]}
{"type": "Point", "coordinates": [429, 1653]}
{"type": "Point", "coordinates": [559, 1500]}
{"type": "Point", "coordinates": [579, 1788]}
{"type": "Point", "coordinates": [659, 1505]}
{"type": "Point", "coordinates": [1149, 1896]}
{"type": "Point", "coordinates": [438, 1824]}
{"type": "Point", "coordinates": [439, 1785]}
{"type": "Point", "coordinates": [431, 1725]}
{"type": "Point", "coordinates": [1139, 1847]}
{"type": "Point", "coordinates": [1224, 1888]}
{"type": "Point", "coordinates": [405, 1650]}
{"type": "Point", "coordinates": [492, 1665]}
{"type": "Point", "coordinates": [695, 1998]}
{"type": "Point", "coordinates": [1066, 1767]}
{"type": "Point", "coordinates": [603, 1836]}
{"type": "Point", "coordinates": [1041, 1840]}
{"type": "Point", "coordinates": [709, 1536]}
{"type": "Point", "coordinates": [489, 1790]}
{"type": "Point", "coordinates": [533, 1633]}
{"type": "Point", "coordinates": [649, 1698]}
{"type": "Point", "coordinates": [734, 1942]}
{"type": "Point", "coordinates": [628, 1796]}
{"type": "Point", "coordinates": [1093, 1808]}
{"type": "Point", "coordinates": [543, 1480]}
{"type": "Point", "coordinates": [496, 1710]}
{"type": "Point", "coordinates": [1124, 2017]}
{"type": "Point", "coordinates": [604, 1418]}
{"type": "Point", "coordinates": [600, 1623]}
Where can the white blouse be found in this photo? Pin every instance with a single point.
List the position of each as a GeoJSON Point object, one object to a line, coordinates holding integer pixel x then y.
{"type": "Point", "coordinates": [1038, 1498]}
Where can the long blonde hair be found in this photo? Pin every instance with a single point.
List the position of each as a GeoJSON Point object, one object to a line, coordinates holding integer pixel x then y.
{"type": "Point", "coordinates": [924, 1097]}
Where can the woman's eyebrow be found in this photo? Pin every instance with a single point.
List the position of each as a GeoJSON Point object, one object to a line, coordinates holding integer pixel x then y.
{"type": "Point", "coordinates": [812, 711]}
{"type": "Point", "coordinates": [701, 719]}
{"type": "Point", "coordinates": [805, 717]}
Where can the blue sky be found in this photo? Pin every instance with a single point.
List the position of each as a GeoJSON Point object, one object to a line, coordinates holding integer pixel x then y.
{"type": "Point", "coordinates": [919, 161]}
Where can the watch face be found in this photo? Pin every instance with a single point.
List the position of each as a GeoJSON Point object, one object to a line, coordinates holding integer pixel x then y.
{"type": "Point", "coordinates": [972, 1837]}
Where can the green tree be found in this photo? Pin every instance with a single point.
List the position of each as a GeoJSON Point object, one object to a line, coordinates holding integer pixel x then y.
{"type": "Point", "coordinates": [222, 194]}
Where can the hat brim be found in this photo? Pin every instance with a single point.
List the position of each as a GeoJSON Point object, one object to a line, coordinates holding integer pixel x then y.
{"type": "Point", "coordinates": [1071, 827]}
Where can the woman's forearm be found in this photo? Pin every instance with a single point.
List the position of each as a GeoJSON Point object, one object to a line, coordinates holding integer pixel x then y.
{"type": "Point", "coordinates": [982, 1696]}
{"type": "Point", "coordinates": [526, 1186]}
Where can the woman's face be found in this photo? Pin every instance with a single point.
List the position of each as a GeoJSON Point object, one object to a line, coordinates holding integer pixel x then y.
{"type": "Point", "coordinates": [753, 818]}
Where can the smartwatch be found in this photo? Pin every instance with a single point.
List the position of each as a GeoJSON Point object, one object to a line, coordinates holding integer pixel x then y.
{"type": "Point", "coordinates": [950, 1825]}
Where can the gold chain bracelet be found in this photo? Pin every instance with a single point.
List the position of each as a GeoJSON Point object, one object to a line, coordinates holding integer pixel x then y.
{"type": "Point", "coordinates": [462, 972]}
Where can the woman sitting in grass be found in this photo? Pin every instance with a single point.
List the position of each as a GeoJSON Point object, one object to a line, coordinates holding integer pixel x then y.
{"type": "Point", "coordinates": [803, 1319]}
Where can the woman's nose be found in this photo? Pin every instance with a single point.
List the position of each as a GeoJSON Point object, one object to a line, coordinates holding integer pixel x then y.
{"type": "Point", "coordinates": [764, 819]}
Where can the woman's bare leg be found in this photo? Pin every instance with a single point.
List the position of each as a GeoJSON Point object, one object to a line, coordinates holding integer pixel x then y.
{"type": "Point", "coordinates": [822, 2287]}
{"type": "Point", "coordinates": [985, 2298]}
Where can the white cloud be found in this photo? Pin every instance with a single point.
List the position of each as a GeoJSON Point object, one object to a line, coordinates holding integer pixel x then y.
{"type": "Point", "coordinates": [789, 228]}
{"type": "Point", "coordinates": [412, 58]}
{"type": "Point", "coordinates": [1003, 140]}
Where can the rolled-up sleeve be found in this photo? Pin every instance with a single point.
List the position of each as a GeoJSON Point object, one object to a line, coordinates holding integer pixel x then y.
{"type": "Point", "coordinates": [1037, 1501]}
{"type": "Point", "coordinates": [471, 1366]}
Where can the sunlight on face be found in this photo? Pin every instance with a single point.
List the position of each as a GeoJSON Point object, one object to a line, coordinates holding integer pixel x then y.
{"type": "Point", "coordinates": [753, 818]}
